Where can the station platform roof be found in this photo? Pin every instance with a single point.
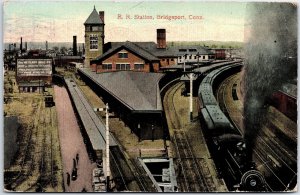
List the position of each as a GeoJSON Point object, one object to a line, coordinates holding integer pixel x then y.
{"type": "Point", "coordinates": [94, 127]}
{"type": "Point", "coordinates": [177, 67]}
{"type": "Point", "coordinates": [139, 91]}
{"type": "Point", "coordinates": [213, 66]}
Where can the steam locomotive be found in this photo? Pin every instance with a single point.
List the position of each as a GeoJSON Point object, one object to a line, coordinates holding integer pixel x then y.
{"type": "Point", "coordinates": [225, 142]}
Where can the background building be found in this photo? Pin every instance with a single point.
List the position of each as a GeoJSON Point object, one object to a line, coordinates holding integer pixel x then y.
{"type": "Point", "coordinates": [33, 73]}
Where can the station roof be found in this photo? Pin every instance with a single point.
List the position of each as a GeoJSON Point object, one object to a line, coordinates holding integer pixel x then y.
{"type": "Point", "coordinates": [94, 127]}
{"type": "Point", "coordinates": [211, 67]}
{"type": "Point", "coordinates": [138, 91]}
{"type": "Point", "coordinates": [172, 51]}
{"type": "Point", "coordinates": [177, 66]}
{"type": "Point", "coordinates": [131, 47]}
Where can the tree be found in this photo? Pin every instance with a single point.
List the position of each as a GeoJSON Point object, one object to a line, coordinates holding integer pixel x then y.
{"type": "Point", "coordinates": [55, 48]}
{"type": "Point", "coordinates": [63, 50]}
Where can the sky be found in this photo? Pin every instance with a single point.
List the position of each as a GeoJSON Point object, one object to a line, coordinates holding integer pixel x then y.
{"type": "Point", "coordinates": [58, 21]}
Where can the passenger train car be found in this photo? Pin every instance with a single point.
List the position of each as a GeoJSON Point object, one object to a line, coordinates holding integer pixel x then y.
{"type": "Point", "coordinates": [225, 142]}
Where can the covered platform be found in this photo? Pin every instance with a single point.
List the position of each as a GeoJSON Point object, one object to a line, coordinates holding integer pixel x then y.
{"type": "Point", "coordinates": [177, 67]}
{"type": "Point", "coordinates": [134, 97]}
{"type": "Point", "coordinates": [206, 69]}
{"type": "Point", "coordinates": [93, 126]}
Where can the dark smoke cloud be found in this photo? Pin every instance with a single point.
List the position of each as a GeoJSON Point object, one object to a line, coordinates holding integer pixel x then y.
{"type": "Point", "coordinates": [270, 60]}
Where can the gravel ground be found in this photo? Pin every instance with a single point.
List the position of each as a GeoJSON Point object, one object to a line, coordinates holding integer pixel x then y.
{"type": "Point", "coordinates": [71, 144]}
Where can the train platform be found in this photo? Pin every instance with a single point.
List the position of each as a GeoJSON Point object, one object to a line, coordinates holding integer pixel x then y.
{"type": "Point", "coordinates": [214, 66]}
{"type": "Point", "coordinates": [123, 134]}
{"type": "Point", "coordinates": [92, 124]}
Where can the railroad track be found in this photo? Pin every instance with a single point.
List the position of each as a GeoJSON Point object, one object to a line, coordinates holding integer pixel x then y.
{"type": "Point", "coordinates": [193, 173]}
{"type": "Point", "coordinates": [145, 183]}
{"type": "Point", "coordinates": [119, 175]}
{"type": "Point", "coordinates": [122, 173]}
{"type": "Point", "coordinates": [267, 151]}
{"type": "Point", "coordinates": [170, 105]}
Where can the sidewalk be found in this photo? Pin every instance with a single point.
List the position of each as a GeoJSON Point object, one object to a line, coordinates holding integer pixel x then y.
{"type": "Point", "coordinates": [71, 144]}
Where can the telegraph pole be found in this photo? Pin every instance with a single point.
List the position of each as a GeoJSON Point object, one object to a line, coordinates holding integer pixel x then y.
{"type": "Point", "coordinates": [107, 148]}
{"type": "Point", "coordinates": [107, 144]}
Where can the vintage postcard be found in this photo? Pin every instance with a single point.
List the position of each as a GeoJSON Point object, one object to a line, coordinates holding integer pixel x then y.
{"type": "Point", "coordinates": [162, 96]}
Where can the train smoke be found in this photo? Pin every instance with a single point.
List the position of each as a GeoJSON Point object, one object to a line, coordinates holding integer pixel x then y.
{"type": "Point", "coordinates": [270, 60]}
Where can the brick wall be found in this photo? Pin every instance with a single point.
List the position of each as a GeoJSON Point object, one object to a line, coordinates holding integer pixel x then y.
{"type": "Point", "coordinates": [165, 61]}
{"type": "Point", "coordinates": [132, 59]}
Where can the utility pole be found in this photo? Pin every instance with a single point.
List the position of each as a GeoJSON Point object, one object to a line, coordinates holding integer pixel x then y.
{"type": "Point", "coordinates": [107, 149]}
{"type": "Point", "coordinates": [198, 55]}
{"type": "Point", "coordinates": [191, 97]}
{"type": "Point", "coordinates": [184, 56]}
{"type": "Point", "coordinates": [107, 144]}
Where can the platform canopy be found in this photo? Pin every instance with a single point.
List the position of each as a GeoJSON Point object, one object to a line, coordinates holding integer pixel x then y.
{"type": "Point", "coordinates": [139, 91]}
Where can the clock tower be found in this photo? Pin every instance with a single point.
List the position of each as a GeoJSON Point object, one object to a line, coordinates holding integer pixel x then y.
{"type": "Point", "coordinates": [94, 36]}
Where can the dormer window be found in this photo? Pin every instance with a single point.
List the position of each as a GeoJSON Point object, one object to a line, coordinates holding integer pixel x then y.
{"type": "Point", "coordinates": [123, 55]}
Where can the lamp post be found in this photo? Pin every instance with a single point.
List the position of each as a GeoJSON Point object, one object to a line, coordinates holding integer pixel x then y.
{"type": "Point", "coordinates": [107, 143]}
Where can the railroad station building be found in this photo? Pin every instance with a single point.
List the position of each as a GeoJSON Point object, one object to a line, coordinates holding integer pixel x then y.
{"type": "Point", "coordinates": [148, 56]}
{"type": "Point", "coordinates": [127, 75]}
{"type": "Point", "coordinates": [134, 56]}
{"type": "Point", "coordinates": [134, 97]}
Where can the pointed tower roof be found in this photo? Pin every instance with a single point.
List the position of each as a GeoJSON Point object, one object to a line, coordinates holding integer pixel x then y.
{"type": "Point", "coordinates": [94, 18]}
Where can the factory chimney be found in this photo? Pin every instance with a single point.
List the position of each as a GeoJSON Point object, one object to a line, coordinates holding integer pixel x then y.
{"type": "Point", "coordinates": [74, 45]}
{"type": "Point", "coordinates": [25, 46]}
{"type": "Point", "coordinates": [46, 45]}
{"type": "Point", "coordinates": [83, 49]}
{"type": "Point", "coordinates": [161, 38]}
{"type": "Point", "coordinates": [101, 15]}
{"type": "Point", "coordinates": [21, 44]}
